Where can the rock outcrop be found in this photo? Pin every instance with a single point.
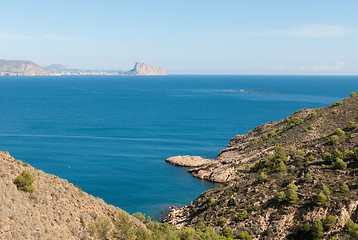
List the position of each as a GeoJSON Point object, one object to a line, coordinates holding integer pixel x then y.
{"type": "Point", "coordinates": [189, 161]}
{"type": "Point", "coordinates": [146, 69]}
{"type": "Point", "coordinates": [23, 68]}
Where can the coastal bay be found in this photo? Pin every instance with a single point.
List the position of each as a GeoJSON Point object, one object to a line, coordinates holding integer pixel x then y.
{"type": "Point", "coordinates": [110, 135]}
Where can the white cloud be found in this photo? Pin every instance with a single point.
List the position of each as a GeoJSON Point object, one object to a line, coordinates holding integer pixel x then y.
{"type": "Point", "coordinates": [318, 31]}
{"type": "Point", "coordinates": [22, 37]}
{"type": "Point", "coordinates": [15, 37]}
{"type": "Point", "coordinates": [338, 66]}
{"type": "Point", "coordinates": [299, 31]}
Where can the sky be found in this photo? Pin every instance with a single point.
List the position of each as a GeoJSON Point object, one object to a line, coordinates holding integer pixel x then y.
{"type": "Point", "coordinates": [185, 37]}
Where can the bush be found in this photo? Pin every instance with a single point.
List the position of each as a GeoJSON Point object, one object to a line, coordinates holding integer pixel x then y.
{"type": "Point", "coordinates": [321, 199]}
{"type": "Point", "coordinates": [211, 201]}
{"type": "Point", "coordinates": [289, 195]}
{"type": "Point", "coordinates": [262, 177]}
{"type": "Point", "coordinates": [317, 230]}
{"type": "Point", "coordinates": [329, 222]}
{"type": "Point", "coordinates": [242, 216]}
{"type": "Point", "coordinates": [351, 124]}
{"type": "Point", "coordinates": [308, 178]}
{"type": "Point", "coordinates": [345, 188]}
{"type": "Point", "coordinates": [244, 236]}
{"type": "Point", "coordinates": [352, 229]}
{"type": "Point", "coordinates": [227, 232]}
{"type": "Point", "coordinates": [295, 121]}
{"type": "Point", "coordinates": [24, 182]}
{"type": "Point", "coordinates": [100, 228]}
{"type": "Point", "coordinates": [333, 139]}
{"type": "Point", "coordinates": [326, 191]}
{"type": "Point", "coordinates": [222, 221]}
{"type": "Point", "coordinates": [340, 164]}
{"type": "Point", "coordinates": [339, 132]}
{"type": "Point", "coordinates": [353, 94]}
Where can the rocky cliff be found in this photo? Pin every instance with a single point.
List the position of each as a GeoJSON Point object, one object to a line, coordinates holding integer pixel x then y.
{"type": "Point", "coordinates": [23, 68]}
{"type": "Point", "coordinates": [146, 69]}
{"type": "Point", "coordinates": [293, 179]}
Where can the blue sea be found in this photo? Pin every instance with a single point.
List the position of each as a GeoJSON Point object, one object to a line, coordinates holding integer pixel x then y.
{"type": "Point", "coordinates": [111, 134]}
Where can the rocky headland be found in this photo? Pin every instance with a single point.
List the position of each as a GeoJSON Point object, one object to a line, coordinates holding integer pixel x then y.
{"type": "Point", "coordinates": [292, 179]}
{"type": "Point", "coordinates": [23, 68]}
{"type": "Point", "coordinates": [141, 68]}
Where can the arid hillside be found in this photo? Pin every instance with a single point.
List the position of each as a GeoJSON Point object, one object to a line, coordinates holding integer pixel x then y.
{"type": "Point", "coordinates": [293, 179]}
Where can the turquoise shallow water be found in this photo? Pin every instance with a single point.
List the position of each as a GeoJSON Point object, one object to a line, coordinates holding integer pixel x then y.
{"type": "Point", "coordinates": [111, 134]}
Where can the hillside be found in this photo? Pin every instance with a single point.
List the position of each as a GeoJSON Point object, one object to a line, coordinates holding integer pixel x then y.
{"type": "Point", "coordinates": [55, 210]}
{"type": "Point", "coordinates": [22, 68]}
{"type": "Point", "coordinates": [294, 179]}
{"type": "Point", "coordinates": [52, 208]}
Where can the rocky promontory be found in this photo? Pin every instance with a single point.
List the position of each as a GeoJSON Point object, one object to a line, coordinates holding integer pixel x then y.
{"type": "Point", "coordinates": [292, 179]}
{"type": "Point", "coordinates": [141, 68]}
{"type": "Point", "coordinates": [23, 68]}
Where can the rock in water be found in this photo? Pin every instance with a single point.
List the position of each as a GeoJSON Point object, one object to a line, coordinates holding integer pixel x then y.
{"type": "Point", "coordinates": [146, 69]}
{"type": "Point", "coordinates": [189, 161]}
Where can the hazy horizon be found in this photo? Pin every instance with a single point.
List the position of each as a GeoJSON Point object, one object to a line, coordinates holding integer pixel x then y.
{"type": "Point", "coordinates": [186, 37]}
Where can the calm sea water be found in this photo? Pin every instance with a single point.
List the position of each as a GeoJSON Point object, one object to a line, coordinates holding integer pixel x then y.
{"type": "Point", "coordinates": [111, 134]}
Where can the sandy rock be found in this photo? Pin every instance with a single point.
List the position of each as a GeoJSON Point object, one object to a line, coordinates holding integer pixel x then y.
{"type": "Point", "coordinates": [189, 161]}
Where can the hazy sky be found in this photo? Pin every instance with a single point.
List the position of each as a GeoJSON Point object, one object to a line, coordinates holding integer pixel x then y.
{"type": "Point", "coordinates": [210, 37]}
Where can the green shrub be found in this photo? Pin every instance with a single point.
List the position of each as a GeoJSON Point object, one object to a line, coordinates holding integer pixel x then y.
{"type": "Point", "coordinates": [317, 230]}
{"type": "Point", "coordinates": [339, 132]}
{"type": "Point", "coordinates": [327, 156]}
{"type": "Point", "coordinates": [344, 188]}
{"type": "Point", "coordinates": [333, 139]}
{"type": "Point", "coordinates": [281, 196]}
{"type": "Point", "coordinates": [353, 94]}
{"type": "Point", "coordinates": [289, 195]}
{"type": "Point", "coordinates": [242, 216]}
{"type": "Point", "coordinates": [340, 164]}
{"type": "Point", "coordinates": [326, 191]}
{"type": "Point", "coordinates": [24, 182]}
{"type": "Point", "coordinates": [329, 222]}
{"type": "Point", "coordinates": [227, 232]}
{"type": "Point", "coordinates": [100, 228]}
{"type": "Point", "coordinates": [222, 221]}
{"type": "Point", "coordinates": [263, 177]}
{"type": "Point", "coordinates": [352, 229]}
{"type": "Point", "coordinates": [125, 226]}
{"type": "Point", "coordinates": [295, 121]}
{"type": "Point", "coordinates": [244, 236]}
{"type": "Point", "coordinates": [211, 201]}
{"type": "Point", "coordinates": [321, 199]}
{"type": "Point", "coordinates": [308, 178]}
{"type": "Point", "coordinates": [351, 124]}
{"type": "Point", "coordinates": [186, 234]}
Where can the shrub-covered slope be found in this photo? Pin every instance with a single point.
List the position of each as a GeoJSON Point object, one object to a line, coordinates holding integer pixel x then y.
{"type": "Point", "coordinates": [294, 179]}
{"type": "Point", "coordinates": [53, 208]}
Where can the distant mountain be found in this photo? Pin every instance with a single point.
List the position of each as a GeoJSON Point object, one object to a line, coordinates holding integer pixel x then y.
{"type": "Point", "coordinates": [146, 69]}
{"type": "Point", "coordinates": [28, 68]}
{"type": "Point", "coordinates": [61, 68]}
{"type": "Point", "coordinates": [22, 68]}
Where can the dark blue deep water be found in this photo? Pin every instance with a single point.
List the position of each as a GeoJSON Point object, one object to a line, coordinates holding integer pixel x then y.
{"type": "Point", "coordinates": [111, 134]}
